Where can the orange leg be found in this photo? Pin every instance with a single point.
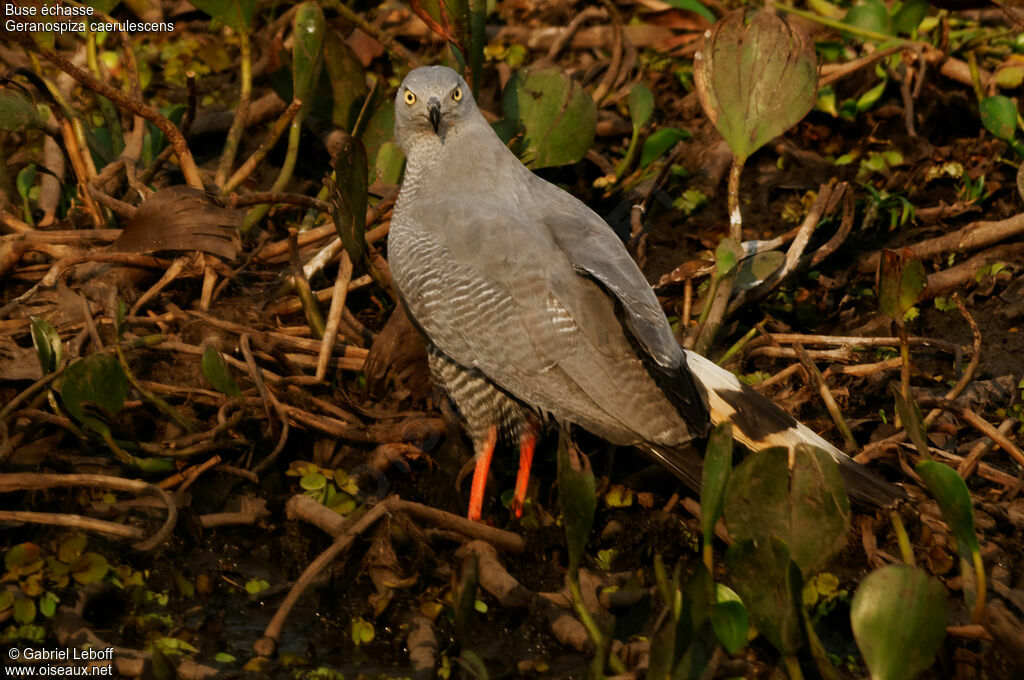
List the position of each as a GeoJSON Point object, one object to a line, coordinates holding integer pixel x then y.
{"type": "Point", "coordinates": [526, 445]}
{"type": "Point", "coordinates": [483, 465]}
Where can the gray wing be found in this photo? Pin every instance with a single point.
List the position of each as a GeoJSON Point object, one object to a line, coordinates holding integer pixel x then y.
{"type": "Point", "coordinates": [491, 287]}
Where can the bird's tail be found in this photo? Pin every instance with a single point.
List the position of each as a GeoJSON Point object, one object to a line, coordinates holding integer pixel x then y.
{"type": "Point", "coordinates": [758, 423]}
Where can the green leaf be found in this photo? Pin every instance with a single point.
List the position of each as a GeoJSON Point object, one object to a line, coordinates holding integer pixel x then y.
{"type": "Point", "coordinates": [17, 112]}
{"type": "Point", "coordinates": [389, 164]}
{"type": "Point", "coordinates": [770, 584]}
{"type": "Point", "coordinates": [727, 254]}
{"type": "Point", "coordinates": [870, 15]}
{"type": "Point", "coordinates": [99, 379]}
{"type": "Point", "coordinates": [999, 116]}
{"type": "Point", "coordinates": [901, 280]}
{"type": "Point", "coordinates": [641, 105]}
{"type": "Point", "coordinates": [349, 196]}
{"type": "Point", "coordinates": [24, 610]}
{"type": "Point", "coordinates": [909, 16]}
{"type": "Point", "coordinates": [49, 348]}
{"type": "Point", "coordinates": [48, 604]}
{"type": "Point", "coordinates": [307, 51]}
{"type": "Point", "coordinates": [950, 491]}
{"type": "Point", "coordinates": [659, 142]}
{"type": "Point", "coordinates": [71, 548]}
{"type": "Point", "coordinates": [216, 371]}
{"type": "Point", "coordinates": [313, 481]}
{"type": "Point", "coordinates": [556, 116]}
{"type": "Point", "coordinates": [899, 621]}
{"type": "Point", "coordinates": [26, 180]}
{"type": "Point", "coordinates": [576, 494]}
{"type": "Point", "coordinates": [89, 568]}
{"type": "Point", "coordinates": [731, 623]}
{"type": "Point", "coordinates": [235, 14]}
{"type": "Point", "coordinates": [912, 421]}
{"type": "Point", "coordinates": [799, 499]}
{"type": "Point", "coordinates": [254, 586]}
{"type": "Point", "coordinates": [714, 476]}
{"type": "Point", "coordinates": [756, 77]}
{"type": "Point", "coordinates": [755, 269]}
{"type": "Point", "coordinates": [362, 631]}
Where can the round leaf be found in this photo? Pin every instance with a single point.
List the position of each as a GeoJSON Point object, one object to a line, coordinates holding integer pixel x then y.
{"type": "Point", "coordinates": [641, 105]}
{"type": "Point", "coordinates": [770, 584]}
{"type": "Point", "coordinates": [899, 621]}
{"type": "Point", "coordinates": [756, 77]}
{"type": "Point", "coordinates": [954, 500]}
{"type": "Point", "coordinates": [999, 116]}
{"type": "Point", "coordinates": [557, 117]}
{"type": "Point", "coordinates": [98, 378]}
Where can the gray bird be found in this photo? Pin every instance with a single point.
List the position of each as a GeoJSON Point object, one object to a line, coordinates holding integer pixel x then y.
{"type": "Point", "coordinates": [533, 309]}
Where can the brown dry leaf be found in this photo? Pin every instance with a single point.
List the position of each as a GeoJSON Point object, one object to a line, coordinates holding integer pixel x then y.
{"type": "Point", "coordinates": [184, 219]}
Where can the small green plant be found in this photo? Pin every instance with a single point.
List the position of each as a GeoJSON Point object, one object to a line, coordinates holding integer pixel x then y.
{"type": "Point", "coordinates": [333, 488]}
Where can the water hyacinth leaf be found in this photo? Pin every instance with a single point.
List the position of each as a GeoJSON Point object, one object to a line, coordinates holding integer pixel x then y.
{"type": "Point", "coordinates": [869, 15]}
{"type": "Point", "coordinates": [576, 494]}
{"type": "Point", "coordinates": [901, 280]}
{"type": "Point", "coordinates": [731, 622]}
{"type": "Point", "coordinates": [659, 142]}
{"type": "Point", "coordinates": [49, 348]}
{"type": "Point", "coordinates": [950, 491]}
{"type": "Point", "coordinates": [17, 112]}
{"type": "Point", "coordinates": [715, 474]}
{"type": "Point", "coordinates": [307, 51]}
{"type": "Point", "coordinates": [556, 116]}
{"type": "Point", "coordinates": [216, 371]}
{"type": "Point", "coordinates": [89, 568]}
{"type": "Point", "coordinates": [235, 14]}
{"type": "Point", "coordinates": [801, 501]}
{"type": "Point", "coordinates": [999, 116]}
{"type": "Point", "coordinates": [349, 196]}
{"type": "Point", "coordinates": [899, 621]}
{"type": "Point", "coordinates": [756, 77]}
{"type": "Point", "coordinates": [770, 584]}
{"type": "Point", "coordinates": [99, 379]}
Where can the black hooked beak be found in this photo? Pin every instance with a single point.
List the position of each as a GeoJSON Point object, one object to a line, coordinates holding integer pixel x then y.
{"type": "Point", "coordinates": [434, 112]}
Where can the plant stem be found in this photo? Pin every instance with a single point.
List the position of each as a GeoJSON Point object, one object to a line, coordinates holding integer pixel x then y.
{"type": "Point", "coordinates": [825, 667]}
{"type": "Point", "coordinates": [793, 667]}
{"type": "Point", "coordinates": [979, 576]}
{"type": "Point", "coordinates": [735, 217]}
{"type": "Point", "coordinates": [902, 538]}
{"type": "Point", "coordinates": [590, 624]}
{"type": "Point", "coordinates": [227, 157]}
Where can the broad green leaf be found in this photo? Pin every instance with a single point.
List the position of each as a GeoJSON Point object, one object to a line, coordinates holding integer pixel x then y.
{"type": "Point", "coordinates": [314, 481]}
{"type": "Point", "coordinates": [659, 142]}
{"type": "Point", "coordinates": [869, 15]}
{"type": "Point", "coordinates": [731, 623]}
{"type": "Point", "coordinates": [556, 116]}
{"type": "Point", "coordinates": [24, 610]}
{"type": "Point", "coordinates": [999, 116]}
{"type": "Point", "coordinates": [21, 556]}
{"type": "Point", "coordinates": [349, 196]}
{"type": "Point", "coordinates": [641, 105]}
{"type": "Point", "coordinates": [26, 180]}
{"type": "Point", "coordinates": [89, 568]}
{"type": "Point", "coordinates": [954, 500]}
{"type": "Point", "coordinates": [576, 494]}
{"type": "Point", "coordinates": [756, 77]}
{"type": "Point", "coordinates": [48, 604]}
{"type": "Point", "coordinates": [379, 130]}
{"type": "Point", "coordinates": [49, 348]}
{"type": "Point", "coordinates": [235, 14]}
{"type": "Point", "coordinates": [17, 112]}
{"type": "Point", "coordinates": [216, 371]}
{"type": "Point", "coordinates": [909, 16]}
{"type": "Point", "coordinates": [1010, 77]}
{"type": "Point", "coordinates": [770, 584]}
{"type": "Point", "coordinates": [899, 621]}
{"type": "Point", "coordinates": [800, 501]}
{"type": "Point", "coordinates": [714, 476]}
{"type": "Point", "coordinates": [71, 548]}
{"type": "Point", "coordinates": [98, 378]}
{"type": "Point", "coordinates": [307, 51]}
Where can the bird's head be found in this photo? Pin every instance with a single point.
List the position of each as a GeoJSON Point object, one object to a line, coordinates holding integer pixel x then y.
{"type": "Point", "coordinates": [430, 102]}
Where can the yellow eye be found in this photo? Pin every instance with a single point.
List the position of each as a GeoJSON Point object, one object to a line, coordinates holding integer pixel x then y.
{"type": "Point", "coordinates": [457, 94]}
{"type": "Point", "coordinates": [410, 98]}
